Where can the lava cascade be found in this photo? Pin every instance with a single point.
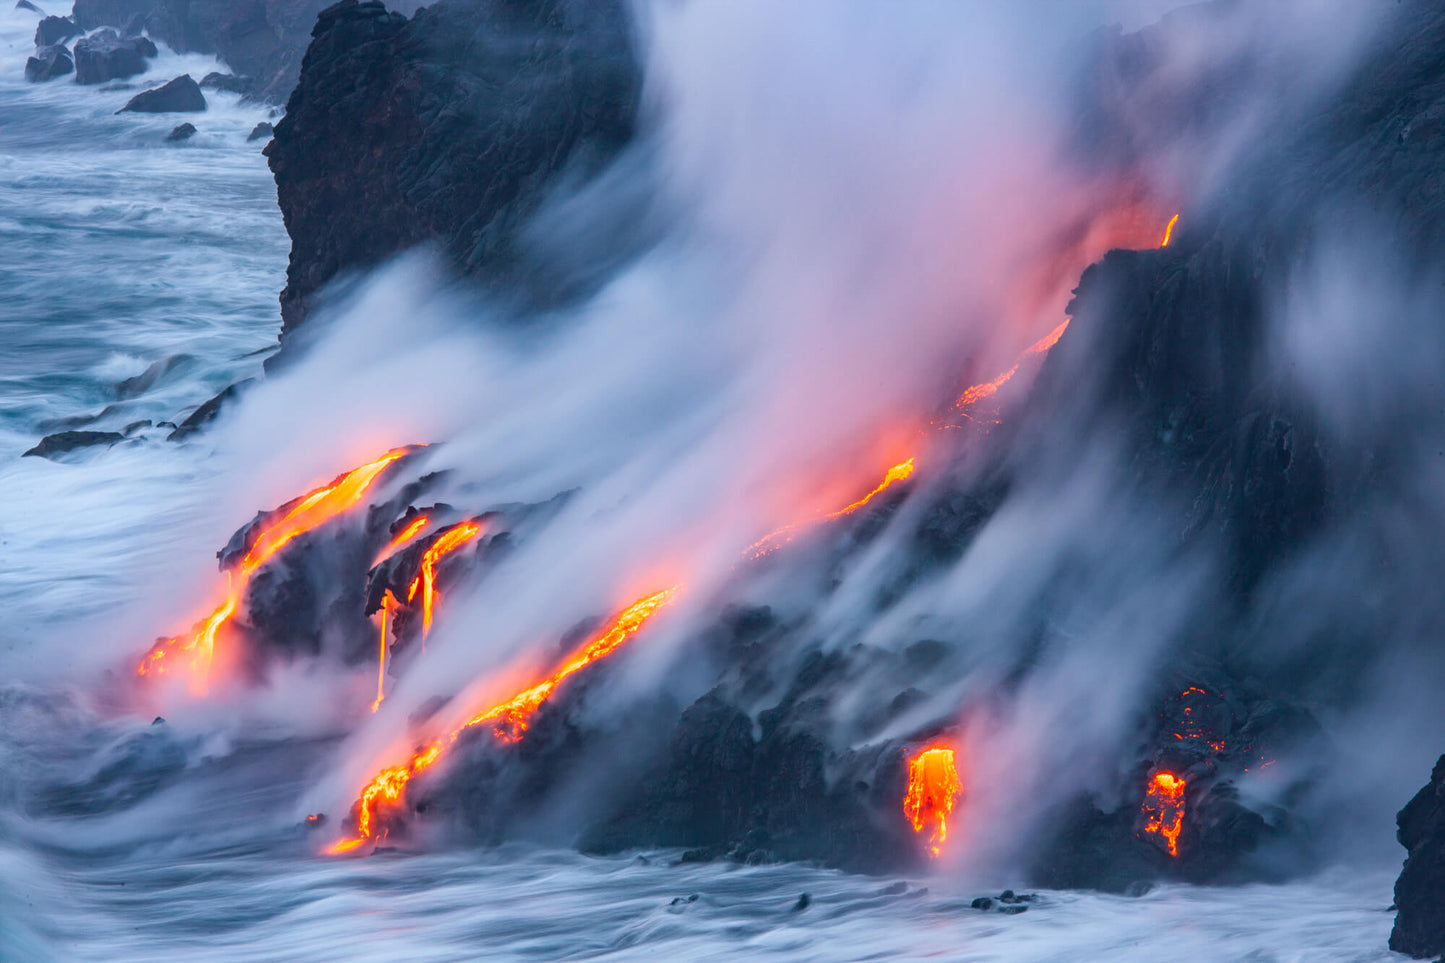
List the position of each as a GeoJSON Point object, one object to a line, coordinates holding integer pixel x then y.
{"type": "Point", "coordinates": [297, 517]}
{"type": "Point", "coordinates": [425, 582]}
{"type": "Point", "coordinates": [933, 788]}
{"type": "Point", "coordinates": [1163, 809]}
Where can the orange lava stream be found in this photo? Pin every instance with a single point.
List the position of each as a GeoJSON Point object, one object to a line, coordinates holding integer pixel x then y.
{"type": "Point", "coordinates": [933, 788]}
{"type": "Point", "coordinates": [775, 540]}
{"type": "Point", "coordinates": [388, 605]}
{"type": "Point", "coordinates": [1169, 231]}
{"type": "Point", "coordinates": [312, 510]}
{"type": "Point", "coordinates": [977, 393]}
{"type": "Point", "coordinates": [425, 581]}
{"type": "Point", "coordinates": [404, 536]}
{"type": "Point", "coordinates": [1164, 809]}
{"type": "Point", "coordinates": [508, 719]}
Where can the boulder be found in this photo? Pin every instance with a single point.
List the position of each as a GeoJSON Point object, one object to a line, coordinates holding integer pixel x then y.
{"type": "Point", "coordinates": [54, 30]}
{"type": "Point", "coordinates": [107, 56]}
{"type": "Point", "coordinates": [1420, 890]}
{"type": "Point", "coordinates": [262, 129]}
{"type": "Point", "coordinates": [215, 80]}
{"type": "Point", "coordinates": [49, 63]}
{"type": "Point", "coordinates": [66, 441]}
{"type": "Point", "coordinates": [181, 132]}
{"type": "Point", "coordinates": [208, 411]}
{"type": "Point", "coordinates": [179, 96]}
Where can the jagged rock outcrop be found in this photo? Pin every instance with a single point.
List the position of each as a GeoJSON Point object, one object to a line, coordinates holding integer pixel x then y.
{"type": "Point", "coordinates": [448, 128]}
{"type": "Point", "coordinates": [49, 63]}
{"type": "Point", "coordinates": [67, 441]}
{"type": "Point", "coordinates": [107, 55]}
{"type": "Point", "coordinates": [181, 132]}
{"type": "Point", "coordinates": [179, 96]}
{"type": "Point", "coordinates": [1420, 890]}
{"type": "Point", "coordinates": [53, 30]}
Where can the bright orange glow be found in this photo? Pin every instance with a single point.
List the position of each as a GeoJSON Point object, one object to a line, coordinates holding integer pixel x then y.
{"type": "Point", "coordinates": [973, 395]}
{"type": "Point", "coordinates": [388, 605]}
{"type": "Point", "coordinates": [302, 515]}
{"type": "Point", "coordinates": [404, 536]}
{"type": "Point", "coordinates": [508, 720]}
{"type": "Point", "coordinates": [425, 581]}
{"type": "Point", "coordinates": [774, 540]}
{"type": "Point", "coordinates": [1169, 231]}
{"type": "Point", "coordinates": [1164, 809]}
{"type": "Point", "coordinates": [933, 788]}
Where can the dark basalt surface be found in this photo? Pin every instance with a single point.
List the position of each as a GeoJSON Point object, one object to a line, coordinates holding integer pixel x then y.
{"type": "Point", "coordinates": [1420, 891]}
{"type": "Point", "coordinates": [448, 128]}
{"type": "Point", "coordinates": [107, 56]}
{"type": "Point", "coordinates": [49, 63]}
{"type": "Point", "coordinates": [62, 442]}
{"type": "Point", "coordinates": [179, 96]}
{"type": "Point", "coordinates": [53, 30]}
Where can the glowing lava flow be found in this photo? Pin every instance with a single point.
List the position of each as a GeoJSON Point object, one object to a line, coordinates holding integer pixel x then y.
{"type": "Point", "coordinates": [404, 536]}
{"type": "Point", "coordinates": [389, 604]}
{"type": "Point", "coordinates": [305, 514]}
{"type": "Point", "coordinates": [775, 540]}
{"type": "Point", "coordinates": [508, 720]}
{"type": "Point", "coordinates": [1169, 231]}
{"type": "Point", "coordinates": [425, 581]}
{"type": "Point", "coordinates": [933, 787]}
{"type": "Point", "coordinates": [1164, 809]}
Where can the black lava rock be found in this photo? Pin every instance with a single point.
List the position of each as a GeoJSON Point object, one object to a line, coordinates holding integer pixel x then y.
{"type": "Point", "coordinates": [27, 5]}
{"type": "Point", "coordinates": [49, 63]}
{"type": "Point", "coordinates": [208, 411]}
{"type": "Point", "coordinates": [179, 96]}
{"type": "Point", "coordinates": [1420, 890]}
{"type": "Point", "coordinates": [66, 441]}
{"type": "Point", "coordinates": [107, 56]}
{"type": "Point", "coordinates": [181, 132]}
{"type": "Point", "coordinates": [448, 127]}
{"type": "Point", "coordinates": [261, 130]}
{"type": "Point", "coordinates": [54, 30]}
{"type": "Point", "coordinates": [227, 82]}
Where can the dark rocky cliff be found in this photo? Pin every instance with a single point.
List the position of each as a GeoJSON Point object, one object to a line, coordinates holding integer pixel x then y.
{"type": "Point", "coordinates": [448, 128]}
{"type": "Point", "coordinates": [1420, 890]}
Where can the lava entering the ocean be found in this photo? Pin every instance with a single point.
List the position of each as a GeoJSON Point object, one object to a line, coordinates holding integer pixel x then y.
{"type": "Point", "coordinates": [1164, 809]}
{"type": "Point", "coordinates": [933, 788]}
{"type": "Point", "coordinates": [508, 720]}
{"type": "Point", "coordinates": [297, 517]}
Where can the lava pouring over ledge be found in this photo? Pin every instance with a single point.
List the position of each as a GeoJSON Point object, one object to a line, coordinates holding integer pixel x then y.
{"type": "Point", "coordinates": [1164, 809]}
{"type": "Point", "coordinates": [933, 788]}
{"type": "Point", "coordinates": [299, 516]}
{"type": "Point", "coordinates": [425, 581]}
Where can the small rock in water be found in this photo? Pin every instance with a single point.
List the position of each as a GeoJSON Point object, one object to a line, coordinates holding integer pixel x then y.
{"type": "Point", "coordinates": [64, 441]}
{"type": "Point", "coordinates": [982, 903]}
{"type": "Point", "coordinates": [803, 902]}
{"type": "Point", "coordinates": [1138, 888]}
{"type": "Point", "coordinates": [135, 426]}
{"type": "Point", "coordinates": [179, 96]}
{"type": "Point", "coordinates": [683, 900]}
{"type": "Point", "coordinates": [158, 721]}
{"type": "Point", "coordinates": [156, 370]}
{"type": "Point", "coordinates": [181, 132]}
{"type": "Point", "coordinates": [262, 129]}
{"type": "Point", "coordinates": [53, 30]}
{"type": "Point", "coordinates": [49, 63]}
{"type": "Point", "coordinates": [215, 80]}
{"type": "Point", "coordinates": [1013, 910]}
{"type": "Point", "coordinates": [207, 412]}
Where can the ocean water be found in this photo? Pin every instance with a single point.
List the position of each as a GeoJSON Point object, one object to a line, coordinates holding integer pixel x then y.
{"type": "Point", "coordinates": [118, 252]}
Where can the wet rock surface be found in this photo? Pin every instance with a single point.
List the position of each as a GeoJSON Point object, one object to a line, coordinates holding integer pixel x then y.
{"type": "Point", "coordinates": [1420, 890]}
{"type": "Point", "coordinates": [263, 130]}
{"type": "Point", "coordinates": [181, 132]}
{"type": "Point", "coordinates": [227, 82]}
{"type": "Point", "coordinates": [53, 30]}
{"type": "Point", "coordinates": [62, 442]}
{"type": "Point", "coordinates": [49, 63]}
{"type": "Point", "coordinates": [447, 128]}
{"type": "Point", "coordinates": [178, 96]}
{"type": "Point", "coordinates": [107, 56]}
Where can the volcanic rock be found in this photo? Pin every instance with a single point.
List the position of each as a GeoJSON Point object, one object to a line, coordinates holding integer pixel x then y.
{"type": "Point", "coordinates": [67, 441]}
{"type": "Point", "coordinates": [181, 132]}
{"type": "Point", "coordinates": [447, 128]}
{"type": "Point", "coordinates": [208, 411]}
{"type": "Point", "coordinates": [1420, 891]}
{"type": "Point", "coordinates": [263, 129]}
{"type": "Point", "coordinates": [48, 64]}
{"type": "Point", "coordinates": [137, 385]}
{"type": "Point", "coordinates": [27, 5]}
{"type": "Point", "coordinates": [53, 30]}
{"type": "Point", "coordinates": [107, 56]}
{"type": "Point", "coordinates": [230, 83]}
{"type": "Point", "coordinates": [179, 96]}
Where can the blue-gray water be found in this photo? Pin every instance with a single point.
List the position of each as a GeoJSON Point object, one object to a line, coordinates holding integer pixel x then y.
{"type": "Point", "coordinates": [118, 251]}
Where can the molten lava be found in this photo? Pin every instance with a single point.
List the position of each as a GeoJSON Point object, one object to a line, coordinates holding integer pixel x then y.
{"type": "Point", "coordinates": [402, 537]}
{"type": "Point", "coordinates": [425, 581]}
{"type": "Point", "coordinates": [1169, 231]}
{"type": "Point", "coordinates": [933, 787]}
{"type": "Point", "coordinates": [774, 540]}
{"type": "Point", "coordinates": [389, 604]}
{"type": "Point", "coordinates": [508, 720]}
{"type": "Point", "coordinates": [977, 393]}
{"type": "Point", "coordinates": [296, 518]}
{"type": "Point", "coordinates": [1164, 809]}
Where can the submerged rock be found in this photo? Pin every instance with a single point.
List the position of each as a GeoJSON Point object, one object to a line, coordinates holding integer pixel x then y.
{"type": "Point", "coordinates": [48, 64]}
{"type": "Point", "coordinates": [54, 30]}
{"type": "Point", "coordinates": [215, 80]}
{"type": "Point", "coordinates": [181, 132]}
{"type": "Point", "coordinates": [137, 385]}
{"type": "Point", "coordinates": [208, 411]}
{"type": "Point", "coordinates": [179, 96]}
{"type": "Point", "coordinates": [107, 56]}
{"type": "Point", "coordinates": [66, 441]}
{"type": "Point", "coordinates": [27, 5]}
{"type": "Point", "coordinates": [1420, 891]}
{"type": "Point", "coordinates": [261, 130]}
